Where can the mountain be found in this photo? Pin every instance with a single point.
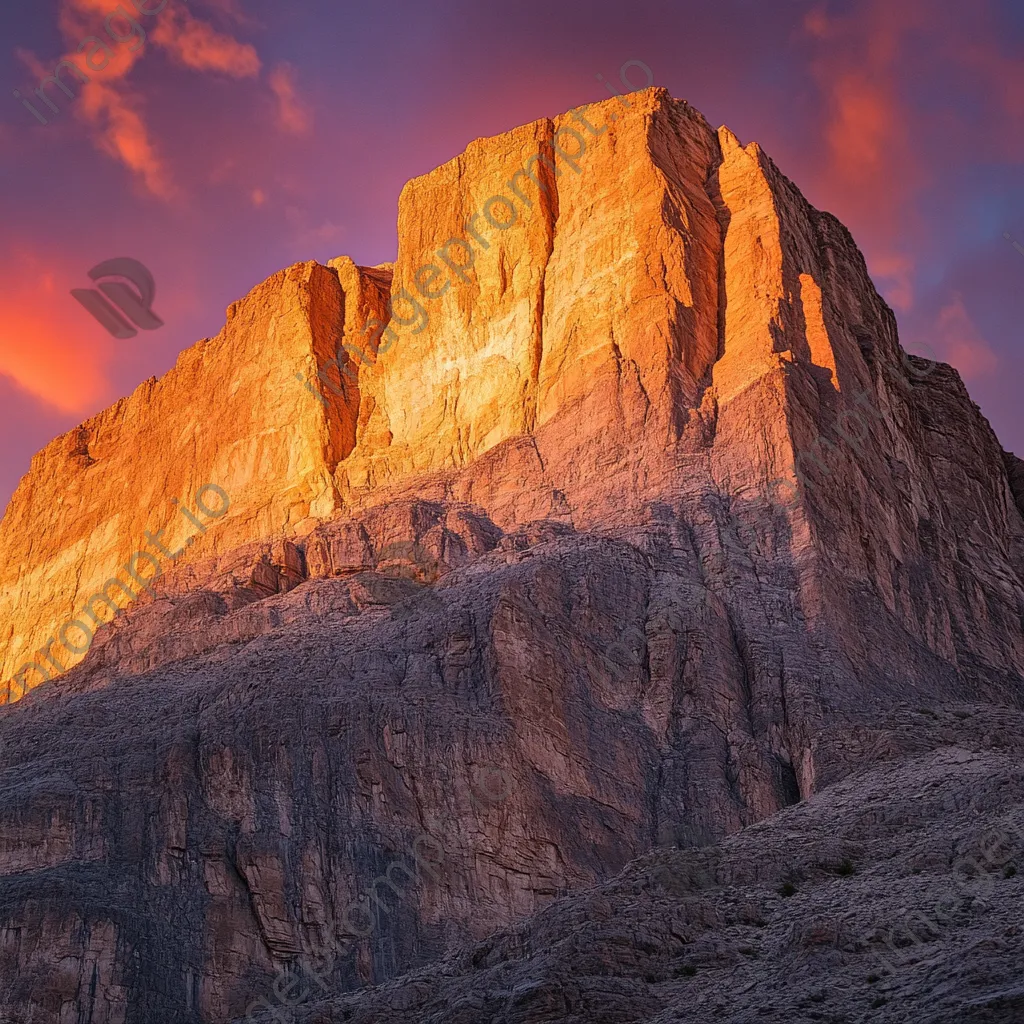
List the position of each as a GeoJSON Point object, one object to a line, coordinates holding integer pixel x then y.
{"type": "Point", "coordinates": [600, 528]}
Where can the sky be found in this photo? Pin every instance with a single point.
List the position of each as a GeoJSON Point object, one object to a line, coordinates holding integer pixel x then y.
{"type": "Point", "coordinates": [218, 141]}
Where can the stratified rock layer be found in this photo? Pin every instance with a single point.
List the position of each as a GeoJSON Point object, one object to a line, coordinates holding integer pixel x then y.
{"type": "Point", "coordinates": [645, 515]}
{"type": "Point", "coordinates": [224, 415]}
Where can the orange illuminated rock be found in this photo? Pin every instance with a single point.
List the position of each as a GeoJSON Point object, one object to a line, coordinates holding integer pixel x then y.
{"type": "Point", "coordinates": [227, 414]}
{"type": "Point", "coordinates": [585, 314]}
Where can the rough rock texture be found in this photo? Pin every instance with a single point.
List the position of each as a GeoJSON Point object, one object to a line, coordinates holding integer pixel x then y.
{"type": "Point", "coordinates": [650, 522]}
{"type": "Point", "coordinates": [222, 415]}
{"type": "Point", "coordinates": [671, 322]}
{"type": "Point", "coordinates": [893, 897]}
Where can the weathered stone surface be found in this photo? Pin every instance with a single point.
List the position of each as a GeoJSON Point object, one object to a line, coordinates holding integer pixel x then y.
{"type": "Point", "coordinates": [648, 525]}
{"type": "Point", "coordinates": [224, 414]}
{"type": "Point", "coordinates": [894, 896]}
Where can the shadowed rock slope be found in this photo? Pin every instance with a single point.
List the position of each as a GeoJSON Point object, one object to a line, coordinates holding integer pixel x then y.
{"type": "Point", "coordinates": [891, 897]}
{"type": "Point", "coordinates": [651, 523]}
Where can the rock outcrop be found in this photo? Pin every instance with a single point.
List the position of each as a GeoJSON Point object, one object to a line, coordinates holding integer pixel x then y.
{"type": "Point", "coordinates": [224, 415]}
{"type": "Point", "coordinates": [615, 491]}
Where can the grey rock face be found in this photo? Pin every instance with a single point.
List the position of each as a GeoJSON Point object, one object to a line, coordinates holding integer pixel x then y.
{"type": "Point", "coordinates": [354, 754]}
{"type": "Point", "coordinates": [893, 896]}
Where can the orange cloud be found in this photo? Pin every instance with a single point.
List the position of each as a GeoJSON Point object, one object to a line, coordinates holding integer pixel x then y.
{"type": "Point", "coordinates": [863, 126]}
{"type": "Point", "coordinates": [962, 343]}
{"type": "Point", "coordinates": [48, 344]}
{"type": "Point", "coordinates": [816, 23]}
{"type": "Point", "coordinates": [292, 116]}
{"type": "Point", "coordinates": [198, 45]}
{"type": "Point", "coordinates": [82, 21]}
{"type": "Point", "coordinates": [112, 113]}
{"type": "Point", "coordinates": [110, 40]}
{"type": "Point", "coordinates": [123, 135]}
{"type": "Point", "coordinates": [870, 163]}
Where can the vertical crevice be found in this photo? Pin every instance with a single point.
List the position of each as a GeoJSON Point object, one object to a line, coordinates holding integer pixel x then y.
{"type": "Point", "coordinates": [713, 190]}
{"type": "Point", "coordinates": [549, 207]}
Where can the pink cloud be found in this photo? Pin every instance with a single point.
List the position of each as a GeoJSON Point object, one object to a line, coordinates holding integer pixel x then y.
{"type": "Point", "coordinates": [961, 342]}
{"type": "Point", "coordinates": [122, 134]}
{"type": "Point", "coordinates": [871, 164]}
{"type": "Point", "coordinates": [198, 45]}
{"type": "Point", "coordinates": [107, 104]}
{"type": "Point", "coordinates": [292, 114]}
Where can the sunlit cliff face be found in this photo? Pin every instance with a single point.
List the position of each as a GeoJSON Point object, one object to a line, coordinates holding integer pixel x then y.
{"type": "Point", "coordinates": [607, 306]}
{"type": "Point", "coordinates": [613, 481]}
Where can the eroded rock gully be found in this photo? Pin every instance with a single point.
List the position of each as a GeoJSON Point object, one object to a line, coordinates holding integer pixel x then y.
{"type": "Point", "coordinates": [545, 538]}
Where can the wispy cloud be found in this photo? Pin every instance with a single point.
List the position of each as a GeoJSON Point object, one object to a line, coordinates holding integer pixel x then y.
{"type": "Point", "coordinates": [292, 115]}
{"type": "Point", "coordinates": [121, 132]}
{"type": "Point", "coordinates": [962, 343]}
{"type": "Point", "coordinates": [107, 47]}
{"type": "Point", "coordinates": [198, 45]}
{"type": "Point", "coordinates": [870, 158]}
